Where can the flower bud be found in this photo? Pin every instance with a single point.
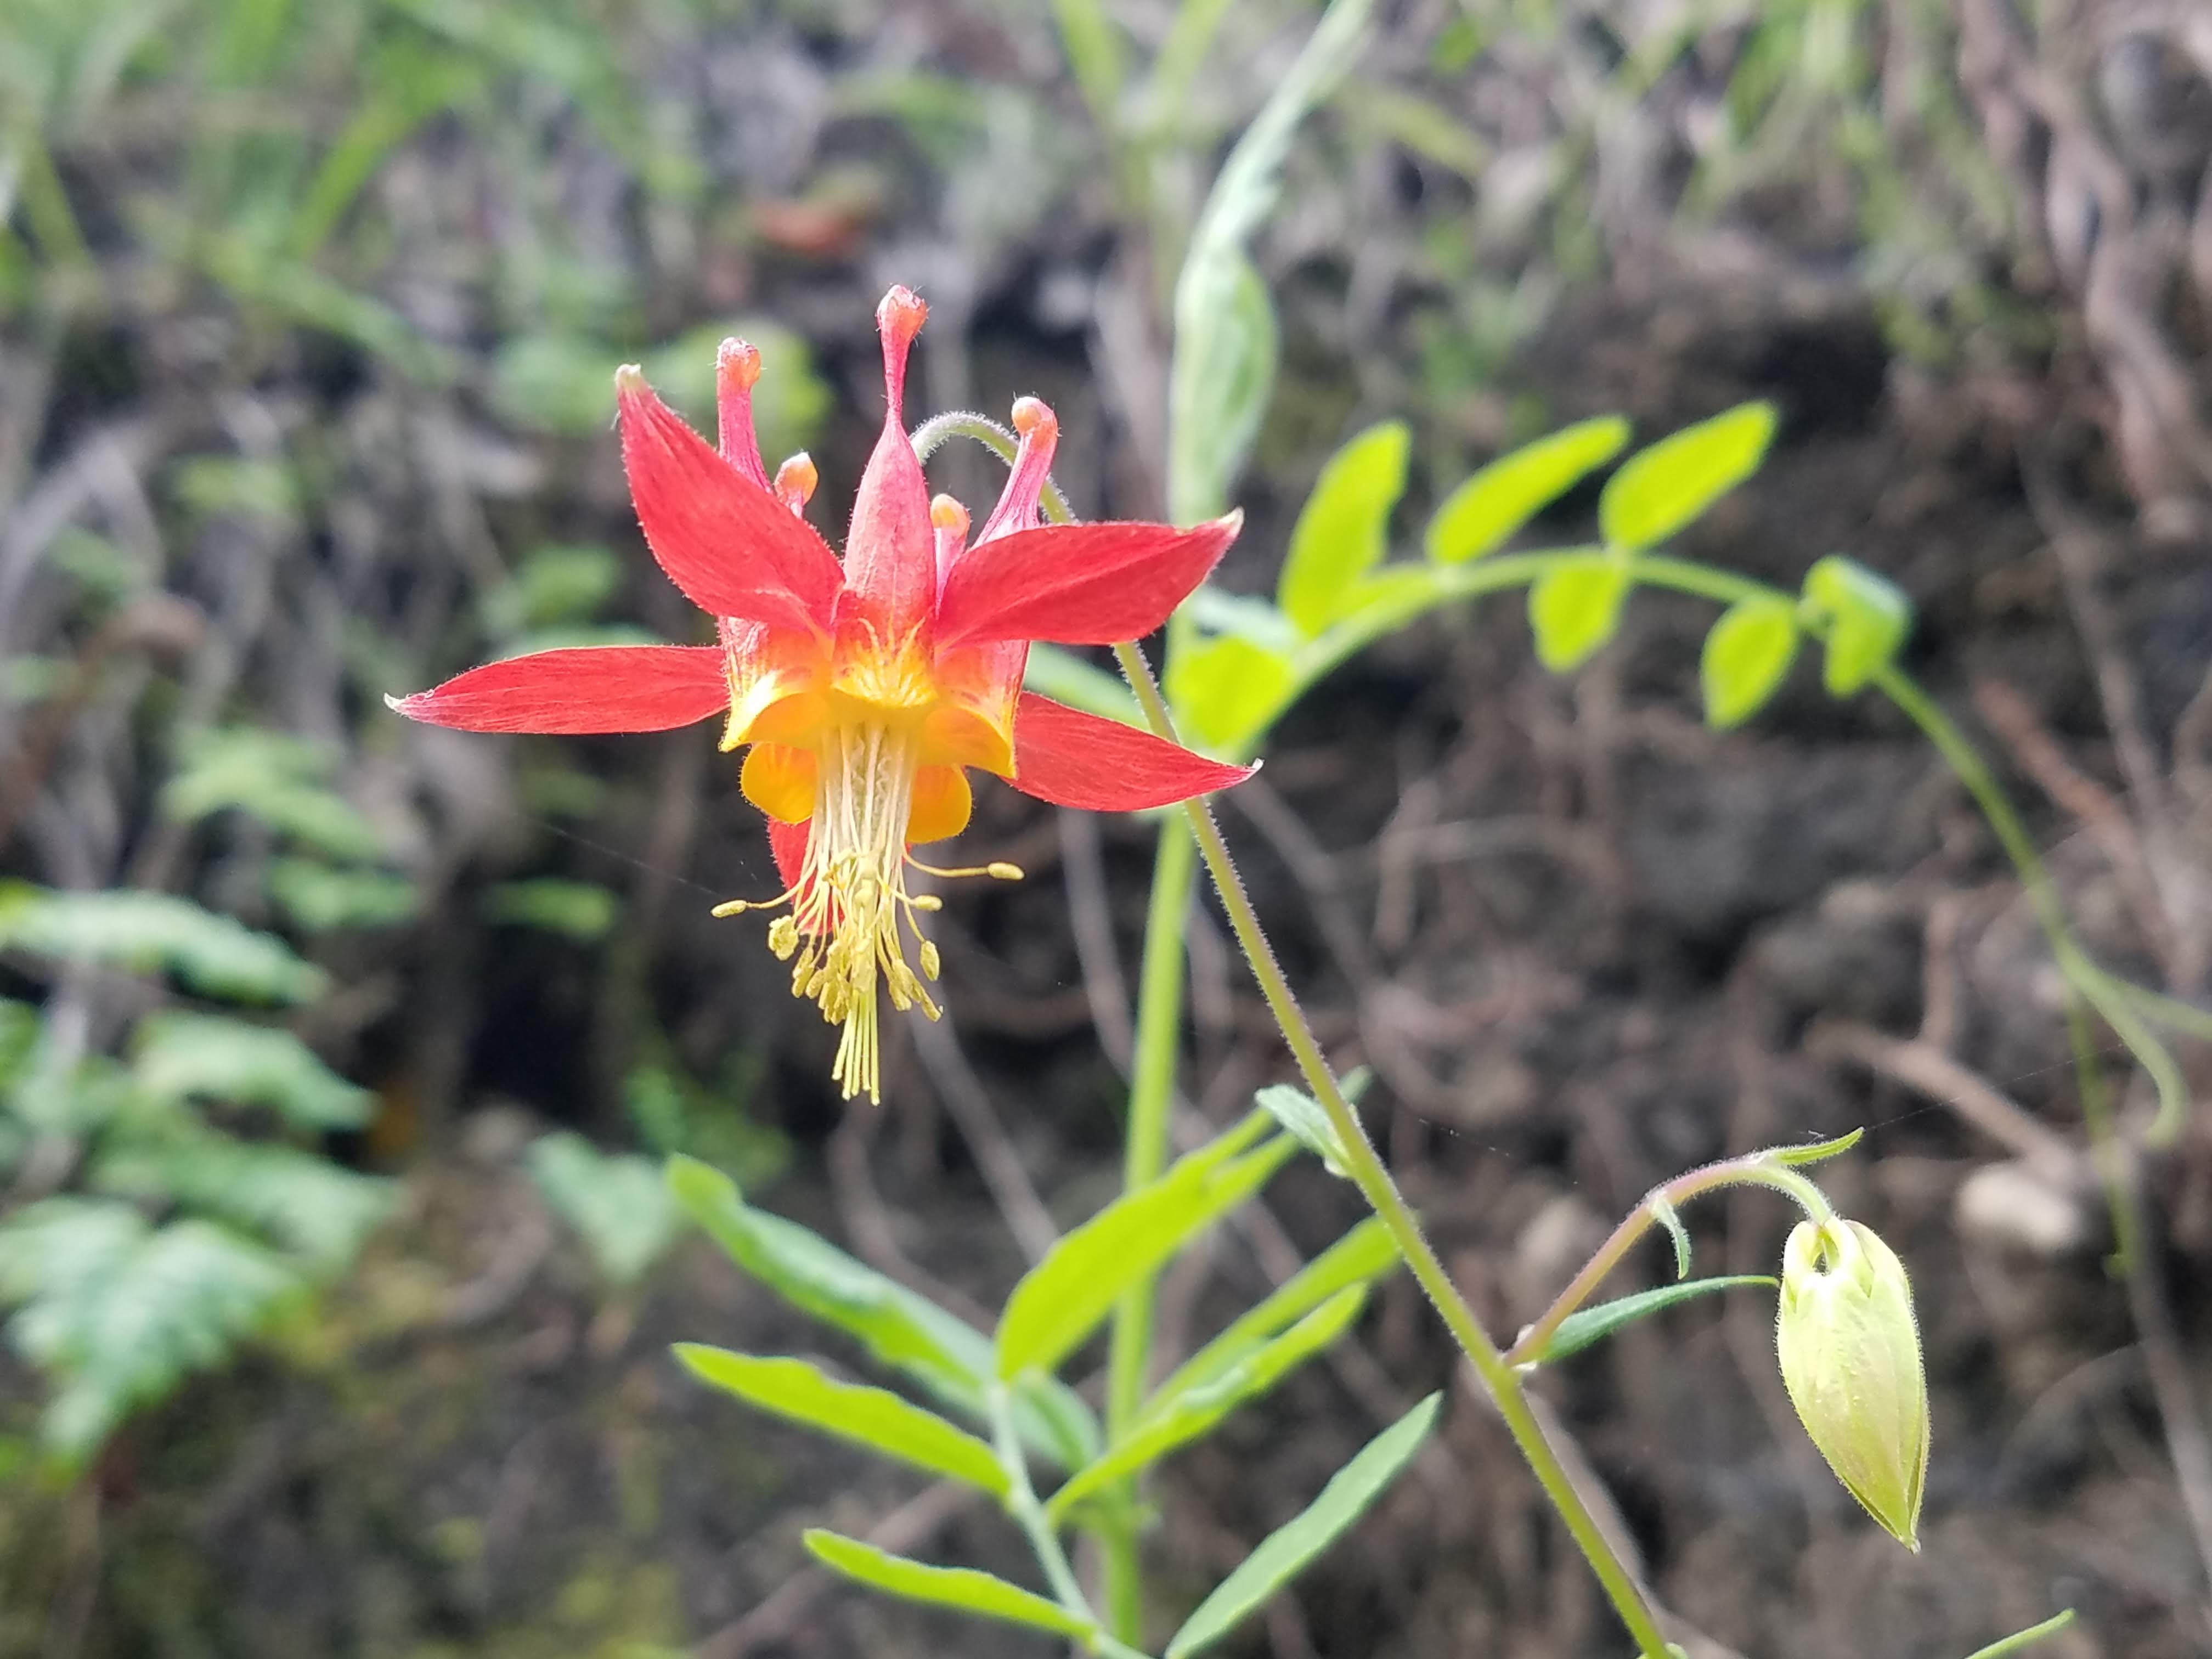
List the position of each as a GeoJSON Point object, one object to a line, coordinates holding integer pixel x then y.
{"type": "Point", "coordinates": [1850, 1358]}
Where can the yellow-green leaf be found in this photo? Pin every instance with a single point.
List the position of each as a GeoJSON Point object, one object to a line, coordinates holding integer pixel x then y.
{"type": "Point", "coordinates": [874, 1417]}
{"type": "Point", "coordinates": [1344, 529]}
{"type": "Point", "coordinates": [1862, 619]}
{"type": "Point", "coordinates": [1481, 513]}
{"type": "Point", "coordinates": [1574, 608]}
{"type": "Point", "coordinates": [963, 1587]}
{"type": "Point", "coordinates": [1224, 691]}
{"type": "Point", "coordinates": [1747, 656]}
{"type": "Point", "coordinates": [1660, 489]}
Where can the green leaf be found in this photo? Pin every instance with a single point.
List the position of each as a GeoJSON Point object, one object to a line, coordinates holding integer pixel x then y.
{"type": "Point", "coordinates": [305, 1202]}
{"type": "Point", "coordinates": [1061, 1301]}
{"type": "Point", "coordinates": [1058, 673]}
{"type": "Point", "coordinates": [559, 583]}
{"type": "Point", "coordinates": [1578, 1330]}
{"type": "Point", "coordinates": [1814, 1152]}
{"type": "Point", "coordinates": [1285, 1553]}
{"type": "Point", "coordinates": [874, 1417]}
{"type": "Point", "coordinates": [1862, 620]}
{"type": "Point", "coordinates": [1660, 489]}
{"type": "Point", "coordinates": [1304, 1116]}
{"type": "Point", "coordinates": [1225, 691]}
{"type": "Point", "coordinates": [1344, 529]}
{"type": "Point", "coordinates": [19, 1039]}
{"type": "Point", "coordinates": [618, 1203]}
{"type": "Point", "coordinates": [320, 899]}
{"type": "Point", "coordinates": [1664, 1212]}
{"type": "Point", "coordinates": [581, 910]}
{"type": "Point", "coordinates": [947, 1356]}
{"type": "Point", "coordinates": [1478, 516]}
{"type": "Point", "coordinates": [181, 1056]}
{"type": "Point", "coordinates": [144, 932]}
{"type": "Point", "coordinates": [116, 1312]}
{"type": "Point", "coordinates": [2019, 1639]}
{"type": "Point", "coordinates": [962, 1588]}
{"type": "Point", "coordinates": [275, 778]}
{"type": "Point", "coordinates": [1194, 1412]}
{"type": "Point", "coordinates": [1574, 608]}
{"type": "Point", "coordinates": [1747, 656]}
{"type": "Point", "coordinates": [1223, 374]}
{"type": "Point", "coordinates": [1359, 1256]}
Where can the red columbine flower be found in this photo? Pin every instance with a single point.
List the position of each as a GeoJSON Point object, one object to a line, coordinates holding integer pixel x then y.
{"type": "Point", "coordinates": [860, 691]}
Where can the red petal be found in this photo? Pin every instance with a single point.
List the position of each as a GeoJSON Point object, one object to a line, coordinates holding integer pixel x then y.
{"type": "Point", "coordinates": [1073, 759]}
{"type": "Point", "coordinates": [1084, 584]}
{"type": "Point", "coordinates": [788, 843]}
{"type": "Point", "coordinates": [890, 556]}
{"type": "Point", "coordinates": [607, 687]}
{"type": "Point", "coordinates": [732, 548]}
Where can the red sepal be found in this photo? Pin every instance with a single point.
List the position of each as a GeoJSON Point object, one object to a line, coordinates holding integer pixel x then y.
{"type": "Point", "coordinates": [607, 687]}
{"type": "Point", "coordinates": [1083, 584]}
{"type": "Point", "coordinates": [732, 548]}
{"type": "Point", "coordinates": [1070, 758]}
{"type": "Point", "coordinates": [787, 841]}
{"type": "Point", "coordinates": [891, 554]}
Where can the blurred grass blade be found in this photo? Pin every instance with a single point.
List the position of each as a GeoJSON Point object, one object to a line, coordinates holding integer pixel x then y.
{"type": "Point", "coordinates": [1286, 1552]}
{"type": "Point", "coordinates": [1479, 515]}
{"type": "Point", "coordinates": [1194, 1412]}
{"type": "Point", "coordinates": [2019, 1639]}
{"type": "Point", "coordinates": [1580, 1329]}
{"type": "Point", "coordinates": [874, 1417]}
{"type": "Point", "coordinates": [962, 1588]}
{"type": "Point", "coordinates": [1056, 672]}
{"type": "Point", "coordinates": [1061, 1300]}
{"type": "Point", "coordinates": [1660, 489]}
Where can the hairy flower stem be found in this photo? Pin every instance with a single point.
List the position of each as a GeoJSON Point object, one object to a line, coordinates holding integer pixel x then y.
{"type": "Point", "coordinates": [1366, 1169]}
{"type": "Point", "coordinates": [1753, 1170]}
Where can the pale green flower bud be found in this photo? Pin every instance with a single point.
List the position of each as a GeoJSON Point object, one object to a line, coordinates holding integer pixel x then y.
{"type": "Point", "coordinates": [1850, 1358]}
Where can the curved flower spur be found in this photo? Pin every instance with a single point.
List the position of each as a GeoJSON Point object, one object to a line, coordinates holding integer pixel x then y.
{"type": "Point", "coordinates": [861, 690]}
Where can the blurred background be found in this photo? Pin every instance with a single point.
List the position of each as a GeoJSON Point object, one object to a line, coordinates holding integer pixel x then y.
{"type": "Point", "coordinates": [337, 1056]}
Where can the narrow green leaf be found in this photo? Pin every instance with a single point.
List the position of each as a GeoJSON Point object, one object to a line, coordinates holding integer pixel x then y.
{"type": "Point", "coordinates": [1660, 489]}
{"type": "Point", "coordinates": [1224, 691]}
{"type": "Point", "coordinates": [947, 1356]}
{"type": "Point", "coordinates": [1284, 1552]}
{"type": "Point", "coordinates": [1479, 515]}
{"type": "Point", "coordinates": [1578, 1330]}
{"type": "Point", "coordinates": [1061, 1301]}
{"type": "Point", "coordinates": [1064, 676]}
{"type": "Point", "coordinates": [1304, 1116]}
{"type": "Point", "coordinates": [1574, 609]}
{"type": "Point", "coordinates": [1223, 374]}
{"type": "Point", "coordinates": [1747, 656]}
{"type": "Point", "coordinates": [1862, 619]}
{"type": "Point", "coordinates": [1664, 1212]}
{"type": "Point", "coordinates": [1194, 1411]}
{"type": "Point", "coordinates": [962, 1588]}
{"type": "Point", "coordinates": [1815, 1151]}
{"type": "Point", "coordinates": [875, 1418]}
{"type": "Point", "coordinates": [2019, 1639]}
{"type": "Point", "coordinates": [1367, 1250]}
{"type": "Point", "coordinates": [1344, 529]}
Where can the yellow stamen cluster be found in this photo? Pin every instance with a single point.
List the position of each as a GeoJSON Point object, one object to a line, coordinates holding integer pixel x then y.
{"type": "Point", "coordinates": [842, 934]}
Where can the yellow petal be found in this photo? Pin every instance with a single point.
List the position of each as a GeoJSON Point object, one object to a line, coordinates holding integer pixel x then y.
{"type": "Point", "coordinates": [780, 780]}
{"type": "Point", "coordinates": [942, 802]}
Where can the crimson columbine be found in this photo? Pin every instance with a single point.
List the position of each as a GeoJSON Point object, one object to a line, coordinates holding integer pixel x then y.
{"type": "Point", "coordinates": [860, 691]}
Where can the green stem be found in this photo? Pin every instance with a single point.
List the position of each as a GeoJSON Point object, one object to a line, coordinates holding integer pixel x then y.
{"type": "Point", "coordinates": [1028, 1513]}
{"type": "Point", "coordinates": [1753, 1170]}
{"type": "Point", "coordinates": [1152, 1099]}
{"type": "Point", "coordinates": [1502, 1382]}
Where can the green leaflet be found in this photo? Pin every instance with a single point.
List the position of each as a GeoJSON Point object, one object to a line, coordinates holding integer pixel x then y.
{"type": "Point", "coordinates": [1303, 1115]}
{"type": "Point", "coordinates": [947, 1356]}
{"type": "Point", "coordinates": [1660, 489]}
{"type": "Point", "coordinates": [1284, 1552]}
{"type": "Point", "coordinates": [617, 1202]}
{"type": "Point", "coordinates": [1862, 618]}
{"type": "Point", "coordinates": [1344, 529]}
{"type": "Point", "coordinates": [874, 1417]}
{"type": "Point", "coordinates": [1061, 1301]}
{"type": "Point", "coordinates": [1574, 609]}
{"type": "Point", "coordinates": [180, 1056]}
{"type": "Point", "coordinates": [2019, 1639]}
{"type": "Point", "coordinates": [144, 932]}
{"type": "Point", "coordinates": [1359, 1256]}
{"type": "Point", "coordinates": [944, 1586]}
{"type": "Point", "coordinates": [1746, 658]}
{"type": "Point", "coordinates": [1578, 1330]}
{"type": "Point", "coordinates": [1224, 691]}
{"type": "Point", "coordinates": [1194, 1412]}
{"type": "Point", "coordinates": [1479, 515]}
